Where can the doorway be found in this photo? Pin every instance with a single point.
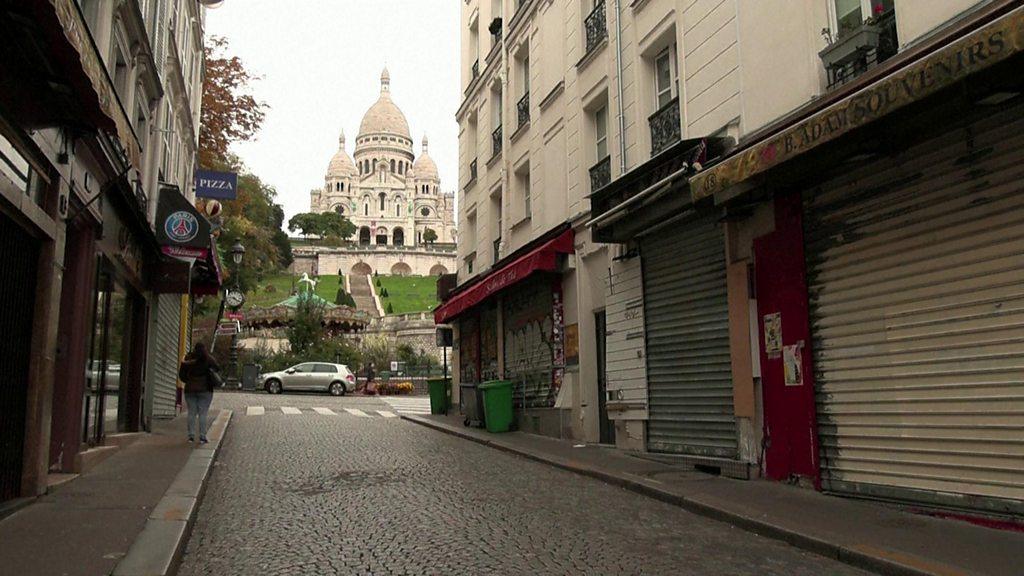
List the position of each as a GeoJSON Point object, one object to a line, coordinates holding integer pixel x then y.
{"type": "Point", "coordinates": [18, 266]}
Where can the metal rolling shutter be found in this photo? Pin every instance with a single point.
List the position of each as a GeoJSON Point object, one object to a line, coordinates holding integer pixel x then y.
{"type": "Point", "coordinates": [916, 279]}
{"type": "Point", "coordinates": [165, 359]}
{"type": "Point", "coordinates": [687, 334]}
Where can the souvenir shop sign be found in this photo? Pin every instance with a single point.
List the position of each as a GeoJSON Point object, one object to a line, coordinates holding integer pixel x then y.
{"type": "Point", "coordinates": [977, 51]}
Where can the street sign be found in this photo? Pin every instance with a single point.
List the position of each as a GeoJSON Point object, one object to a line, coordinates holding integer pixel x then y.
{"type": "Point", "coordinates": [228, 328]}
{"type": "Point", "coordinates": [239, 316]}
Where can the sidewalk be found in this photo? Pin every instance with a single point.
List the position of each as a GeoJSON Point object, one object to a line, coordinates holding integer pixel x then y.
{"type": "Point", "coordinates": [88, 525]}
{"type": "Point", "coordinates": [865, 534]}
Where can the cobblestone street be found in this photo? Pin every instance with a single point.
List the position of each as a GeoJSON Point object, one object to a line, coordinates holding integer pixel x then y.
{"type": "Point", "coordinates": [321, 493]}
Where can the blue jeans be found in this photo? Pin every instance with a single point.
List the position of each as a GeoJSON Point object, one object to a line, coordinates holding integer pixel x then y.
{"type": "Point", "coordinates": [198, 406]}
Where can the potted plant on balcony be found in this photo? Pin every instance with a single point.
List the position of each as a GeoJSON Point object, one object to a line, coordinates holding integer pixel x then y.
{"type": "Point", "coordinates": [853, 44]}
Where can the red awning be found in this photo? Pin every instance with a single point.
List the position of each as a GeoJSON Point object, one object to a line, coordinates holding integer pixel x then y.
{"type": "Point", "coordinates": [543, 258]}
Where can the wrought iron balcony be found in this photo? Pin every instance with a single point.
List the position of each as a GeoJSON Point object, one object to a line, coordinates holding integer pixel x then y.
{"type": "Point", "coordinates": [475, 70]}
{"type": "Point", "coordinates": [860, 48]}
{"type": "Point", "coordinates": [595, 26]}
{"type": "Point", "coordinates": [496, 142]}
{"type": "Point", "coordinates": [665, 129]}
{"type": "Point", "coordinates": [523, 109]}
{"type": "Point", "coordinates": [601, 174]}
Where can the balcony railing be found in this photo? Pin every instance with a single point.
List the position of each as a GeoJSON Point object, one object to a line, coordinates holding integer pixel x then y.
{"type": "Point", "coordinates": [595, 26]}
{"type": "Point", "coordinates": [601, 174]}
{"type": "Point", "coordinates": [665, 130]}
{"type": "Point", "coordinates": [860, 48]}
{"type": "Point", "coordinates": [523, 109]}
{"type": "Point", "coordinates": [496, 142]}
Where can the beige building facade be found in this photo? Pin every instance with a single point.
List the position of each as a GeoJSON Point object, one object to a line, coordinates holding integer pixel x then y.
{"type": "Point", "coordinates": [696, 152]}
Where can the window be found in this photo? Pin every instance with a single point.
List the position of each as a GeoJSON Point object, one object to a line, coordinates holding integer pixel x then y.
{"type": "Point", "coordinates": [665, 82]}
{"type": "Point", "coordinates": [523, 185]}
{"type": "Point", "coordinates": [425, 212]}
{"type": "Point", "coordinates": [601, 131]}
{"type": "Point", "coordinates": [304, 368]}
{"type": "Point", "coordinates": [848, 16]}
{"type": "Point", "coordinates": [341, 186]}
{"type": "Point", "coordinates": [383, 201]}
{"type": "Point", "coordinates": [401, 168]}
{"type": "Point", "coordinates": [398, 206]}
{"type": "Point", "coordinates": [325, 369]}
{"type": "Point", "coordinates": [392, 165]}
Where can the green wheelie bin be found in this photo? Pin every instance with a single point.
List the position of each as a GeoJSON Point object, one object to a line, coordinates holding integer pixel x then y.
{"type": "Point", "coordinates": [438, 389]}
{"type": "Point", "coordinates": [497, 405]}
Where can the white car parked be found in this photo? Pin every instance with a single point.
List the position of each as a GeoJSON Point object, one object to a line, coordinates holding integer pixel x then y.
{"type": "Point", "coordinates": [336, 379]}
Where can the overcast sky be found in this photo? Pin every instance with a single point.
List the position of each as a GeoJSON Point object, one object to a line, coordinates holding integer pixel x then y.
{"type": "Point", "coordinates": [320, 62]}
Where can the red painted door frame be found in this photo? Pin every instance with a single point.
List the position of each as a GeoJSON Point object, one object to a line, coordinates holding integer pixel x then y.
{"type": "Point", "coordinates": [790, 423]}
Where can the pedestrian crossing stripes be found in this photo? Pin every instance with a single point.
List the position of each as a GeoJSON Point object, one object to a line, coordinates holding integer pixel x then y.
{"type": "Point", "coordinates": [292, 410]}
{"type": "Point", "coordinates": [409, 405]}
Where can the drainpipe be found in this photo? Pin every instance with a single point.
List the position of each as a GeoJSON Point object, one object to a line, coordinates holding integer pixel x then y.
{"type": "Point", "coordinates": [618, 77]}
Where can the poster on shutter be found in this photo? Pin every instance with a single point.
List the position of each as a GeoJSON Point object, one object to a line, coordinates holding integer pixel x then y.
{"type": "Point", "coordinates": [792, 360]}
{"type": "Point", "coordinates": [773, 334]}
{"type": "Point", "coordinates": [572, 344]}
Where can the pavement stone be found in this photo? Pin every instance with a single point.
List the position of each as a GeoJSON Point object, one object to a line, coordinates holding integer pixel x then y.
{"type": "Point", "coordinates": [315, 494]}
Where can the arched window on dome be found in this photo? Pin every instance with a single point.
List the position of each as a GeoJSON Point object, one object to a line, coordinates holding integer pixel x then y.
{"type": "Point", "coordinates": [374, 164]}
{"type": "Point", "coordinates": [401, 168]}
{"type": "Point", "coordinates": [341, 186]}
{"type": "Point", "coordinates": [383, 201]}
{"type": "Point", "coordinates": [392, 165]}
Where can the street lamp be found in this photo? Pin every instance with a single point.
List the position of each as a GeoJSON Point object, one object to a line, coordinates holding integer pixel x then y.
{"type": "Point", "coordinates": [235, 300]}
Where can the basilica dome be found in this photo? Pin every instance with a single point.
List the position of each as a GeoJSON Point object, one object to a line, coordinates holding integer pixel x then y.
{"type": "Point", "coordinates": [424, 168]}
{"type": "Point", "coordinates": [341, 164]}
{"type": "Point", "coordinates": [384, 117]}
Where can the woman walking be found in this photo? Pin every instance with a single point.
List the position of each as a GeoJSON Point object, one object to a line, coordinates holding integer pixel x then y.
{"type": "Point", "coordinates": [197, 374]}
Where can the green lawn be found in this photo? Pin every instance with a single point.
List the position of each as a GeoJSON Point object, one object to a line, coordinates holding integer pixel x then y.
{"type": "Point", "coordinates": [326, 288]}
{"type": "Point", "coordinates": [408, 293]}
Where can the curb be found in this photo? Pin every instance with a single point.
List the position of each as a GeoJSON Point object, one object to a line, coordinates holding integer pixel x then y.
{"type": "Point", "coordinates": [157, 550]}
{"type": "Point", "coordinates": [857, 558]}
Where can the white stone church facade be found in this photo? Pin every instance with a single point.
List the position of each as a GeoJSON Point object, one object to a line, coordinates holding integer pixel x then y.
{"type": "Point", "coordinates": [391, 195]}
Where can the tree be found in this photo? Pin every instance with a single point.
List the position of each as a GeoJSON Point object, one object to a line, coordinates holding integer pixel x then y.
{"type": "Point", "coordinates": [230, 113]}
{"type": "Point", "coordinates": [334, 224]}
{"type": "Point", "coordinates": [307, 222]}
{"type": "Point", "coordinates": [306, 328]}
{"type": "Point", "coordinates": [429, 236]}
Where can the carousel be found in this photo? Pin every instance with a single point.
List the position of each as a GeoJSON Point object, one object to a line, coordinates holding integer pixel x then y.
{"type": "Point", "coordinates": [336, 319]}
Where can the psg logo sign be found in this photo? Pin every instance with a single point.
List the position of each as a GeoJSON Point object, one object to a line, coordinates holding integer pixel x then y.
{"type": "Point", "coordinates": [181, 226]}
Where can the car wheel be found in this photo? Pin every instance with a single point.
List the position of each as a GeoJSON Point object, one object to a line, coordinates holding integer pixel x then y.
{"type": "Point", "coordinates": [337, 389]}
{"type": "Point", "coordinates": [273, 387]}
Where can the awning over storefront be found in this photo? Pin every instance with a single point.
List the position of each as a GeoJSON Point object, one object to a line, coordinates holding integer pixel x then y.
{"type": "Point", "coordinates": [924, 72]}
{"type": "Point", "coordinates": [171, 274]}
{"type": "Point", "coordinates": [540, 258]}
{"type": "Point", "coordinates": [643, 196]}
